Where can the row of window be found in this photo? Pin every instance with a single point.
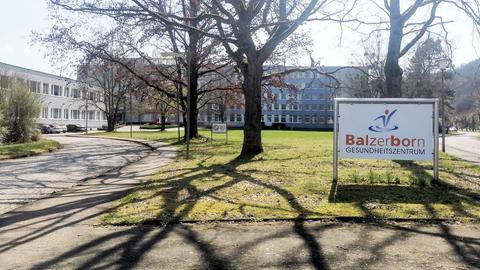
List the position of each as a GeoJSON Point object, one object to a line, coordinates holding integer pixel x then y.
{"type": "Point", "coordinates": [299, 119]}
{"type": "Point", "coordinates": [284, 118]}
{"type": "Point", "coordinates": [66, 114]}
{"type": "Point", "coordinates": [50, 89]}
{"type": "Point", "coordinates": [304, 96]}
{"type": "Point", "coordinates": [298, 107]}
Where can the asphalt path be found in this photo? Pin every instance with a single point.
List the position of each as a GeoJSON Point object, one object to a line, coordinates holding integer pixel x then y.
{"type": "Point", "coordinates": [465, 146]}
{"type": "Point", "coordinates": [26, 179]}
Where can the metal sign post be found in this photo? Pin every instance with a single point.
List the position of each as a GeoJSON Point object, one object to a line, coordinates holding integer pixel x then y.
{"type": "Point", "coordinates": [383, 129]}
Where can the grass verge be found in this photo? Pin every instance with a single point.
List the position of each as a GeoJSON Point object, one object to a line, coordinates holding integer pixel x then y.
{"type": "Point", "coordinates": [292, 179]}
{"type": "Point", "coordinates": [9, 151]}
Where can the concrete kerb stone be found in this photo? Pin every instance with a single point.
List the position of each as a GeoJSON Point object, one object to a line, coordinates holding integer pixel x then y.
{"type": "Point", "coordinates": [146, 143]}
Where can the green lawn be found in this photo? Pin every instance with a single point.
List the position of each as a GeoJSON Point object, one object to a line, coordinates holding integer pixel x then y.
{"type": "Point", "coordinates": [293, 179]}
{"type": "Point", "coordinates": [27, 149]}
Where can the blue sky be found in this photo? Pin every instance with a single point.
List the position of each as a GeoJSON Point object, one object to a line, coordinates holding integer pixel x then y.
{"type": "Point", "coordinates": [19, 17]}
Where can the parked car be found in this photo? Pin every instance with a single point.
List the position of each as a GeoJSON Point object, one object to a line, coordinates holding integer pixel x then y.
{"type": "Point", "coordinates": [47, 129]}
{"type": "Point", "coordinates": [56, 129]}
{"type": "Point", "coordinates": [63, 128]}
{"type": "Point", "coordinates": [75, 128]}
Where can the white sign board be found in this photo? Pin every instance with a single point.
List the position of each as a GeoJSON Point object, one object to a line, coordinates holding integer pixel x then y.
{"type": "Point", "coordinates": [387, 130]}
{"type": "Point", "coordinates": [219, 128]}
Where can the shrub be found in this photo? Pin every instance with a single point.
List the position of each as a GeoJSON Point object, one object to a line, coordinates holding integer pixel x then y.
{"type": "Point", "coordinates": [18, 113]}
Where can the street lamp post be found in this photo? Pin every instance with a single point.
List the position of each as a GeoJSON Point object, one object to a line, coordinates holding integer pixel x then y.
{"type": "Point", "coordinates": [187, 128]}
{"type": "Point", "coordinates": [131, 116]}
{"type": "Point", "coordinates": [177, 94]}
{"type": "Point", "coordinates": [443, 65]}
{"type": "Point", "coordinates": [86, 110]}
{"type": "Point", "coordinates": [189, 59]}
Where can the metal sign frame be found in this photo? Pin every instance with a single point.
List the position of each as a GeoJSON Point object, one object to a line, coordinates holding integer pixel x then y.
{"type": "Point", "coordinates": [432, 101]}
{"type": "Point", "coordinates": [226, 132]}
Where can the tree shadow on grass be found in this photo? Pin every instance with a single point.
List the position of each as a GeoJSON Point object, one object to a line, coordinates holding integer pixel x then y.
{"type": "Point", "coordinates": [423, 191]}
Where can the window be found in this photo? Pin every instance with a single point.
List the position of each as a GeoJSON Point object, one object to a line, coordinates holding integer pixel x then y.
{"type": "Point", "coordinates": [92, 96]}
{"type": "Point", "coordinates": [314, 107]}
{"type": "Point", "coordinates": [56, 113]}
{"type": "Point", "coordinates": [34, 86]}
{"type": "Point", "coordinates": [321, 119]}
{"type": "Point", "coordinates": [75, 114]}
{"type": "Point", "coordinates": [66, 93]}
{"type": "Point", "coordinates": [45, 113]}
{"type": "Point", "coordinates": [293, 118]}
{"type": "Point", "coordinates": [299, 120]}
{"type": "Point", "coordinates": [321, 107]}
{"type": "Point", "coordinates": [330, 107]}
{"type": "Point", "coordinates": [5, 82]}
{"type": "Point", "coordinates": [307, 107]}
{"type": "Point", "coordinates": [65, 114]}
{"type": "Point", "coordinates": [275, 119]}
{"type": "Point", "coordinates": [239, 117]}
{"type": "Point", "coordinates": [283, 107]}
{"type": "Point", "coordinates": [314, 119]}
{"type": "Point", "coordinates": [91, 115]}
{"type": "Point", "coordinates": [283, 96]}
{"type": "Point", "coordinates": [83, 115]}
{"type": "Point", "coordinates": [56, 90]}
{"type": "Point", "coordinates": [269, 118]}
{"type": "Point", "coordinates": [75, 93]}
{"type": "Point", "coordinates": [307, 119]}
{"type": "Point", "coordinates": [283, 118]}
{"type": "Point", "coordinates": [232, 117]}
{"type": "Point", "coordinates": [275, 106]}
{"type": "Point", "coordinates": [46, 87]}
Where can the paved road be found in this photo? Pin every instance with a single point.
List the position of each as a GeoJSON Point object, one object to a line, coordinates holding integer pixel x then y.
{"type": "Point", "coordinates": [26, 179]}
{"type": "Point", "coordinates": [465, 146]}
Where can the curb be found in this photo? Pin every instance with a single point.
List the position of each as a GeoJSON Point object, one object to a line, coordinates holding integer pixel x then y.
{"type": "Point", "coordinates": [145, 143]}
{"type": "Point", "coordinates": [355, 220]}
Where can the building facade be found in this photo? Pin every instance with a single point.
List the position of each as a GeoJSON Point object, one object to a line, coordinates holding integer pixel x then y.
{"type": "Point", "coordinates": [307, 105]}
{"type": "Point", "coordinates": [63, 101]}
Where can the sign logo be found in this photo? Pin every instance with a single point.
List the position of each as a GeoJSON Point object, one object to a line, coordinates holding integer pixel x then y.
{"type": "Point", "coordinates": [385, 122]}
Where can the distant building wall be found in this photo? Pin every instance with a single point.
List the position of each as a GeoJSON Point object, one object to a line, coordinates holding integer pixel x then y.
{"type": "Point", "coordinates": [63, 101]}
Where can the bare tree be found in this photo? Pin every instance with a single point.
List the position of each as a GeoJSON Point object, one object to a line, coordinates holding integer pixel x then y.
{"type": "Point", "coordinates": [407, 22]}
{"type": "Point", "coordinates": [249, 31]}
{"type": "Point", "coordinates": [114, 81]}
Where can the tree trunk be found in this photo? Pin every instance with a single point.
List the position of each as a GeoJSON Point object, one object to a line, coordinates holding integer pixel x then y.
{"type": "Point", "coordinates": [111, 123]}
{"type": "Point", "coordinates": [393, 72]}
{"type": "Point", "coordinates": [162, 122]}
{"type": "Point", "coordinates": [252, 89]}
{"type": "Point", "coordinates": [193, 103]}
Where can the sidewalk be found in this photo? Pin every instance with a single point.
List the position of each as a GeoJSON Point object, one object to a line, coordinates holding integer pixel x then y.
{"type": "Point", "coordinates": [31, 234]}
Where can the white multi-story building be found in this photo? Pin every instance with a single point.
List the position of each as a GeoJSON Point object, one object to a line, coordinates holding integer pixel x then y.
{"type": "Point", "coordinates": [63, 101]}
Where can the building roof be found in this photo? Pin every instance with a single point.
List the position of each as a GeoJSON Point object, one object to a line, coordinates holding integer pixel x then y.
{"type": "Point", "coordinates": [34, 72]}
